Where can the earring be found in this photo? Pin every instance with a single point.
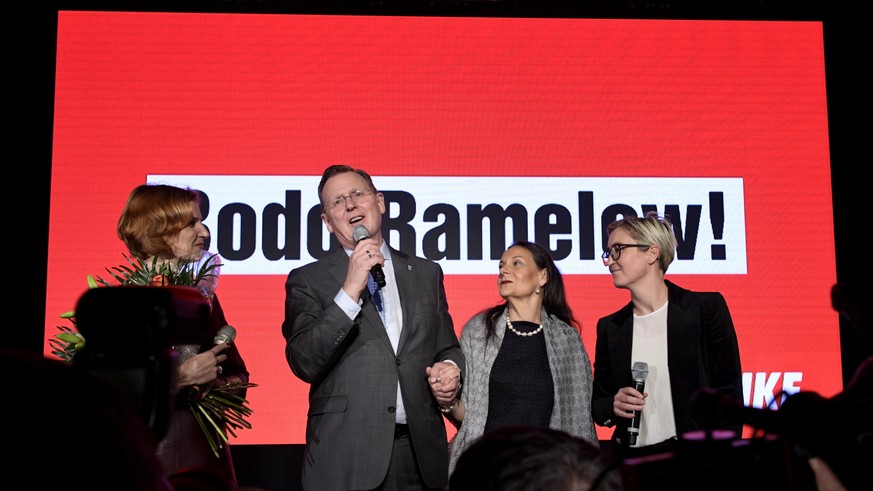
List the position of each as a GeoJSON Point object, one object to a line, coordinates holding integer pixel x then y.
{"type": "Point", "coordinates": [538, 291]}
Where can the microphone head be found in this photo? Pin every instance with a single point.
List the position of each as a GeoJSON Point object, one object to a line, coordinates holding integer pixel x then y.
{"type": "Point", "coordinates": [225, 335]}
{"type": "Point", "coordinates": [360, 233]}
{"type": "Point", "coordinates": [640, 371]}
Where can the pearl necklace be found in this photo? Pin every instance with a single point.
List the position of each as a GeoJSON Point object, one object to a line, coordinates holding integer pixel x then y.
{"type": "Point", "coordinates": [509, 325]}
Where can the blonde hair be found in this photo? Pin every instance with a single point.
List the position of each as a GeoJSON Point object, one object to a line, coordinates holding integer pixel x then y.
{"type": "Point", "coordinates": [653, 230]}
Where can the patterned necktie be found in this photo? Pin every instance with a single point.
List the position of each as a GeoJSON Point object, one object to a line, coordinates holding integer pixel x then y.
{"type": "Point", "coordinates": [376, 293]}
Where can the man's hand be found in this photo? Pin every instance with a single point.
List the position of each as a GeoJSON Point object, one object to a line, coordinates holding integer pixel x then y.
{"type": "Point", "coordinates": [445, 382]}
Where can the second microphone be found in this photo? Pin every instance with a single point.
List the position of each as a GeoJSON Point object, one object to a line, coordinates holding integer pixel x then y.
{"type": "Point", "coordinates": [639, 371]}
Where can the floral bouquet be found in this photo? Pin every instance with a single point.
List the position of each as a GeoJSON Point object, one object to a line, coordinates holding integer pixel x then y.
{"type": "Point", "coordinates": [220, 411]}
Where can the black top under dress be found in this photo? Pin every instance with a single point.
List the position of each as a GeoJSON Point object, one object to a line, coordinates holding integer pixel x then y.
{"type": "Point", "coordinates": [521, 391]}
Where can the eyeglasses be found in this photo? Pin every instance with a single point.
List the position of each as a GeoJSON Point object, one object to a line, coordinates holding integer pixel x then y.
{"type": "Point", "coordinates": [615, 251]}
{"type": "Point", "coordinates": [356, 196]}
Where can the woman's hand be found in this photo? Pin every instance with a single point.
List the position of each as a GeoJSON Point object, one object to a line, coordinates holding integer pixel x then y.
{"type": "Point", "coordinates": [445, 382]}
{"type": "Point", "coordinates": [202, 368]}
{"type": "Point", "coordinates": [627, 400]}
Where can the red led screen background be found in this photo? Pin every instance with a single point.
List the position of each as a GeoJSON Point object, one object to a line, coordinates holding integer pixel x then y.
{"type": "Point", "coordinates": [245, 95]}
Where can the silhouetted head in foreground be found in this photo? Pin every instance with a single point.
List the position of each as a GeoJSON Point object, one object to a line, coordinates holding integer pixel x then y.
{"type": "Point", "coordinates": [516, 458]}
{"type": "Point", "coordinates": [79, 430]}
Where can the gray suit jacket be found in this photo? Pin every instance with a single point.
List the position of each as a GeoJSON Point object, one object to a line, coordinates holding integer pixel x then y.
{"type": "Point", "coordinates": [353, 372]}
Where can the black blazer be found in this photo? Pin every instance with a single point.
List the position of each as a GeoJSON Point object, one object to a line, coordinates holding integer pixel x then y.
{"type": "Point", "coordinates": [702, 352]}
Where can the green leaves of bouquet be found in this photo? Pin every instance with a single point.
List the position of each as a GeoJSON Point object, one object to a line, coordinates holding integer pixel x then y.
{"type": "Point", "coordinates": [69, 341]}
{"type": "Point", "coordinates": [163, 273]}
{"type": "Point", "coordinates": [219, 411]}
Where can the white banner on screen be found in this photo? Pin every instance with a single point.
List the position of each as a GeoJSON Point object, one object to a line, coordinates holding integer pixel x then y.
{"type": "Point", "coordinates": [268, 225]}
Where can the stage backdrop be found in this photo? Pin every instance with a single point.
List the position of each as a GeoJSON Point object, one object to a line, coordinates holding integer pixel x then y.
{"type": "Point", "coordinates": [479, 131]}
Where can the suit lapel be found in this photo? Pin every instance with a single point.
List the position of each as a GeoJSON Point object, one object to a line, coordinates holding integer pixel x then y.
{"type": "Point", "coordinates": [623, 344]}
{"type": "Point", "coordinates": [405, 277]}
{"type": "Point", "coordinates": [338, 267]}
{"type": "Point", "coordinates": [682, 333]}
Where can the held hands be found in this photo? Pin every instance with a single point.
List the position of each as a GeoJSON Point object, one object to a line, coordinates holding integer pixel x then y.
{"type": "Point", "coordinates": [203, 368]}
{"type": "Point", "coordinates": [627, 400]}
{"type": "Point", "coordinates": [445, 382]}
{"type": "Point", "coordinates": [363, 258]}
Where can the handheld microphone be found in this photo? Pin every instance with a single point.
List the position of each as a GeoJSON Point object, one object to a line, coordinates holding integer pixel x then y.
{"type": "Point", "coordinates": [639, 372]}
{"type": "Point", "coordinates": [225, 335]}
{"type": "Point", "coordinates": [360, 234]}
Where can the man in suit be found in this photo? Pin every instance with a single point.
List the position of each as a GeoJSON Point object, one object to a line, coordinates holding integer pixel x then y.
{"type": "Point", "coordinates": [687, 340]}
{"type": "Point", "coordinates": [381, 362]}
